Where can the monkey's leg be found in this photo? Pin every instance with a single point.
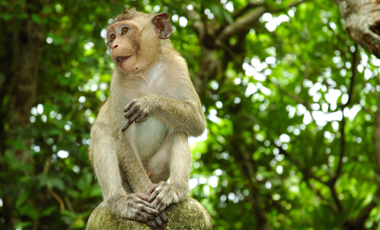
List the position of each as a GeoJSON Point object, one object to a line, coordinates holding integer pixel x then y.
{"type": "Point", "coordinates": [103, 154]}
{"type": "Point", "coordinates": [162, 195]}
{"type": "Point", "coordinates": [137, 180]}
{"type": "Point", "coordinates": [132, 170]}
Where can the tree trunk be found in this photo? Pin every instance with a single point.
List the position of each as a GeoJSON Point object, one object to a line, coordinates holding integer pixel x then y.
{"type": "Point", "coordinates": [19, 66]}
{"type": "Point", "coordinates": [362, 19]}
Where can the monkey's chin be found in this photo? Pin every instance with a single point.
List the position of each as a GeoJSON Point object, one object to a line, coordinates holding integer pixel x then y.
{"type": "Point", "coordinates": [128, 65]}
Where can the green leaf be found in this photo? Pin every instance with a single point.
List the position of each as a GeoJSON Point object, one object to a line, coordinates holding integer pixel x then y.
{"type": "Point", "coordinates": [23, 196]}
{"type": "Point", "coordinates": [85, 180]}
{"type": "Point", "coordinates": [48, 211]}
{"type": "Point", "coordinates": [227, 16]}
{"type": "Point", "coordinates": [55, 182]}
{"type": "Point", "coordinates": [6, 16]}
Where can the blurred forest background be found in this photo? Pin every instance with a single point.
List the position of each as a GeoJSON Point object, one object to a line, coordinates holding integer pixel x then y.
{"type": "Point", "coordinates": [293, 124]}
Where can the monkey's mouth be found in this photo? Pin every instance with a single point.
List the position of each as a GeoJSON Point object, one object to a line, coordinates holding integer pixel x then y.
{"type": "Point", "coordinates": [121, 59]}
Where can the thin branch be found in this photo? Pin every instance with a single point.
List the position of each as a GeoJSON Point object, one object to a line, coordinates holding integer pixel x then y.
{"type": "Point", "coordinates": [248, 169]}
{"type": "Point", "coordinates": [343, 124]}
{"type": "Point", "coordinates": [335, 197]}
{"type": "Point", "coordinates": [319, 194]}
{"type": "Point", "coordinates": [376, 137]}
{"type": "Point", "coordinates": [353, 71]}
{"type": "Point", "coordinates": [58, 198]}
{"type": "Point", "coordinates": [246, 8]}
{"type": "Point", "coordinates": [304, 170]}
{"type": "Point", "coordinates": [296, 98]}
{"type": "Point", "coordinates": [227, 49]}
{"type": "Point", "coordinates": [47, 165]}
{"type": "Point", "coordinates": [69, 204]}
{"type": "Point", "coordinates": [197, 24]}
{"type": "Point", "coordinates": [359, 221]}
{"type": "Point", "coordinates": [308, 173]}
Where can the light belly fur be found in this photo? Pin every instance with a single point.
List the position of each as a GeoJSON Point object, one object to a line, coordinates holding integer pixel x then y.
{"type": "Point", "coordinates": [149, 137]}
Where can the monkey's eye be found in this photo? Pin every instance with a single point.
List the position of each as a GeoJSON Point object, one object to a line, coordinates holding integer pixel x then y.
{"type": "Point", "coordinates": [112, 37]}
{"type": "Point", "coordinates": [124, 30]}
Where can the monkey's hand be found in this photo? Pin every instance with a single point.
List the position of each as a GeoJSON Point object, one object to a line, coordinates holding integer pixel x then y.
{"type": "Point", "coordinates": [136, 111]}
{"type": "Point", "coordinates": [160, 222]}
{"type": "Point", "coordinates": [133, 206]}
{"type": "Point", "coordinates": [161, 195]}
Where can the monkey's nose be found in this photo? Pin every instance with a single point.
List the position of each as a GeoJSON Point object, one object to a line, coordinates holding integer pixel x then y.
{"type": "Point", "coordinates": [115, 46]}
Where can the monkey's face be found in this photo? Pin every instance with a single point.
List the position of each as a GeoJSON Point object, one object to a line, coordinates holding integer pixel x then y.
{"type": "Point", "coordinates": [123, 44]}
{"type": "Point", "coordinates": [135, 43]}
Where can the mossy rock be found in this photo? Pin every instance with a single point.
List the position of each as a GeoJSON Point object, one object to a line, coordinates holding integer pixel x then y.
{"type": "Point", "coordinates": [189, 214]}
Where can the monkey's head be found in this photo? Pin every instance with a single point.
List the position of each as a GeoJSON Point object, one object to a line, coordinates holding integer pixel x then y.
{"type": "Point", "coordinates": [135, 38]}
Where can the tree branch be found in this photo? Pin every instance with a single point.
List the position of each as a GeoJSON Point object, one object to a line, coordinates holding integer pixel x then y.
{"type": "Point", "coordinates": [58, 198]}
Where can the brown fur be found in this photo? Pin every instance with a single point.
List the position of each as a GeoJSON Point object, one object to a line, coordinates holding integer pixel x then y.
{"type": "Point", "coordinates": [162, 108]}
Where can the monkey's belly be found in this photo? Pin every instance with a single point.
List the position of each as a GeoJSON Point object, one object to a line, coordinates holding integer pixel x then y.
{"type": "Point", "coordinates": [149, 137]}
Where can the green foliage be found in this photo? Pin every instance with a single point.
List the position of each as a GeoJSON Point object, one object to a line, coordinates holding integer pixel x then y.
{"type": "Point", "coordinates": [275, 112]}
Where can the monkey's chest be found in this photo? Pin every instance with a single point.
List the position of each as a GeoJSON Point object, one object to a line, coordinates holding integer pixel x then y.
{"type": "Point", "coordinates": [149, 138]}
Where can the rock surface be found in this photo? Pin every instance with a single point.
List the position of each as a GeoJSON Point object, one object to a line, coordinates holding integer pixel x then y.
{"type": "Point", "coordinates": [189, 214]}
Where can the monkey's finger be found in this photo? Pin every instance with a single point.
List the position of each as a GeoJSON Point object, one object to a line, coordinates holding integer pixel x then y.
{"type": "Point", "coordinates": [131, 112]}
{"type": "Point", "coordinates": [146, 217]}
{"type": "Point", "coordinates": [152, 224]}
{"type": "Point", "coordinates": [140, 118]}
{"type": "Point", "coordinates": [161, 202]}
{"type": "Point", "coordinates": [148, 208]}
{"type": "Point", "coordinates": [164, 217]}
{"type": "Point", "coordinates": [162, 220]}
{"type": "Point", "coordinates": [127, 125]}
{"type": "Point", "coordinates": [142, 196]}
{"type": "Point", "coordinates": [153, 196]}
{"type": "Point", "coordinates": [129, 105]}
{"type": "Point", "coordinates": [147, 204]}
{"type": "Point", "coordinates": [141, 217]}
{"type": "Point", "coordinates": [151, 188]}
{"type": "Point", "coordinates": [155, 193]}
{"type": "Point", "coordinates": [160, 206]}
{"type": "Point", "coordinates": [150, 211]}
{"type": "Point", "coordinates": [135, 116]}
{"type": "Point", "coordinates": [158, 221]}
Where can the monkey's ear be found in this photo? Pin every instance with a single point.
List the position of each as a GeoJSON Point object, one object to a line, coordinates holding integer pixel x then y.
{"type": "Point", "coordinates": [163, 26]}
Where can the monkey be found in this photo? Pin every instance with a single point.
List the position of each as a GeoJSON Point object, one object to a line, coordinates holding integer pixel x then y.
{"type": "Point", "coordinates": [140, 137]}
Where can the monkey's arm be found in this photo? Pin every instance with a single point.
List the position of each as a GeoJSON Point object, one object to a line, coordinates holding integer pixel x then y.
{"type": "Point", "coordinates": [180, 115]}
{"type": "Point", "coordinates": [104, 159]}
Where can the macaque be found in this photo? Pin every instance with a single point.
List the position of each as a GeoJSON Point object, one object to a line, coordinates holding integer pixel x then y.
{"type": "Point", "coordinates": [140, 137]}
